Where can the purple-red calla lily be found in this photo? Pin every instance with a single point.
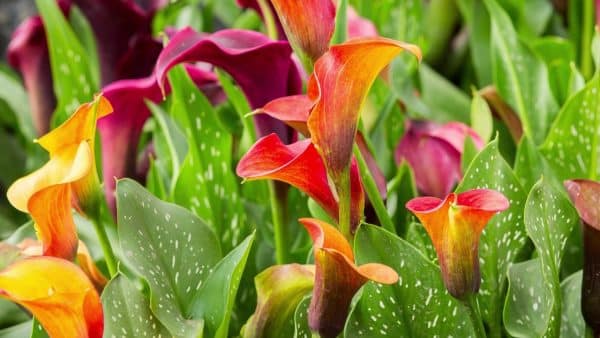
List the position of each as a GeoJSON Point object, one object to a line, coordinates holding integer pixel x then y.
{"type": "Point", "coordinates": [434, 152]}
{"type": "Point", "coordinates": [337, 278]}
{"type": "Point", "coordinates": [454, 226]}
{"type": "Point", "coordinates": [585, 195]}
{"type": "Point", "coordinates": [263, 68]}
{"type": "Point", "coordinates": [339, 85]}
{"type": "Point", "coordinates": [300, 165]}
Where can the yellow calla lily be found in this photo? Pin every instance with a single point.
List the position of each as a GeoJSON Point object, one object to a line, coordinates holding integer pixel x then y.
{"type": "Point", "coordinates": [47, 193]}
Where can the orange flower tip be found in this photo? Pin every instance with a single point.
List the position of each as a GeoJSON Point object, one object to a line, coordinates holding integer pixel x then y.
{"type": "Point", "coordinates": [480, 199]}
{"type": "Point", "coordinates": [379, 273]}
{"type": "Point", "coordinates": [585, 195]}
{"type": "Point", "coordinates": [326, 236]}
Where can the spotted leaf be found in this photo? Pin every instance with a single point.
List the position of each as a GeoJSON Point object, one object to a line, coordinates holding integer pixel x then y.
{"type": "Point", "coordinates": [127, 311]}
{"type": "Point", "coordinates": [504, 237]}
{"type": "Point", "coordinates": [417, 306]}
{"type": "Point", "coordinates": [170, 248]}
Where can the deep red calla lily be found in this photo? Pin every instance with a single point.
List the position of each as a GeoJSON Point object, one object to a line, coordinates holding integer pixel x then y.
{"type": "Point", "coordinates": [339, 86]}
{"type": "Point", "coordinates": [263, 68]}
{"type": "Point", "coordinates": [337, 278]}
{"type": "Point", "coordinates": [434, 152]}
{"type": "Point", "coordinates": [585, 195]}
{"type": "Point", "coordinates": [454, 226]}
{"type": "Point", "coordinates": [300, 165]}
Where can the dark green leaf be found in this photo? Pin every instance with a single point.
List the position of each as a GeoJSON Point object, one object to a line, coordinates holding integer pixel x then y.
{"type": "Point", "coordinates": [417, 306]}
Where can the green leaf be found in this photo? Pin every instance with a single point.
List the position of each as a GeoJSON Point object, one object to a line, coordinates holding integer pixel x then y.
{"type": "Point", "coordinates": [15, 97]}
{"type": "Point", "coordinates": [214, 302]}
{"type": "Point", "coordinates": [530, 165]}
{"type": "Point", "coordinates": [241, 106]}
{"type": "Point", "coordinates": [401, 189]}
{"type": "Point", "coordinates": [447, 101]}
{"type": "Point", "coordinates": [301, 329]}
{"type": "Point", "coordinates": [417, 306]}
{"type": "Point", "coordinates": [417, 236]}
{"type": "Point", "coordinates": [504, 236]}
{"type": "Point", "coordinates": [572, 323]}
{"type": "Point", "coordinates": [84, 32]}
{"type": "Point", "coordinates": [207, 184]}
{"type": "Point", "coordinates": [528, 302]}
{"type": "Point", "coordinates": [478, 23]}
{"type": "Point", "coordinates": [469, 152]}
{"type": "Point", "coordinates": [549, 220]}
{"type": "Point", "coordinates": [37, 331]}
{"type": "Point", "coordinates": [558, 54]}
{"type": "Point", "coordinates": [20, 330]}
{"type": "Point", "coordinates": [572, 147]}
{"type": "Point", "coordinates": [127, 311]}
{"type": "Point", "coordinates": [520, 77]}
{"type": "Point", "coordinates": [481, 117]}
{"type": "Point", "coordinates": [170, 248]}
{"type": "Point", "coordinates": [71, 71]}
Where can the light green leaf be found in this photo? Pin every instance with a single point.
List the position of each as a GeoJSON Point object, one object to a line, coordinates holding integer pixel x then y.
{"type": "Point", "coordinates": [127, 311]}
{"type": "Point", "coordinates": [504, 236]}
{"type": "Point", "coordinates": [207, 184]}
{"type": "Point", "coordinates": [15, 97]}
{"type": "Point", "coordinates": [572, 146]}
{"type": "Point", "coordinates": [481, 117]}
{"type": "Point", "coordinates": [71, 70]}
{"type": "Point", "coordinates": [572, 323]}
{"type": "Point", "coordinates": [530, 165]}
{"type": "Point", "coordinates": [214, 301]}
{"type": "Point", "coordinates": [170, 248]}
{"type": "Point", "coordinates": [417, 306]}
{"type": "Point", "coordinates": [19, 330]}
{"type": "Point", "coordinates": [520, 77]}
{"type": "Point", "coordinates": [442, 96]}
{"type": "Point", "coordinates": [301, 329]}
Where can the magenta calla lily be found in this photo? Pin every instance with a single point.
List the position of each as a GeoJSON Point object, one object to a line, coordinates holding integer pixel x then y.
{"type": "Point", "coordinates": [263, 68]}
{"type": "Point", "coordinates": [434, 153]}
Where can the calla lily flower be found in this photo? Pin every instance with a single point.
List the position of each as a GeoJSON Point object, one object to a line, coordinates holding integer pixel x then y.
{"type": "Point", "coordinates": [264, 69]}
{"type": "Point", "coordinates": [337, 278]}
{"type": "Point", "coordinates": [585, 195]}
{"type": "Point", "coordinates": [279, 290]}
{"type": "Point", "coordinates": [434, 152]}
{"type": "Point", "coordinates": [339, 86]}
{"type": "Point", "coordinates": [68, 176]}
{"type": "Point", "coordinates": [300, 165]}
{"type": "Point", "coordinates": [57, 293]}
{"type": "Point", "coordinates": [454, 226]}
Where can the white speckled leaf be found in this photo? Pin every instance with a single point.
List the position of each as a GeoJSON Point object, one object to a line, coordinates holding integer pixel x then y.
{"type": "Point", "coordinates": [207, 184]}
{"type": "Point", "coordinates": [170, 248]}
{"type": "Point", "coordinates": [417, 306]}
{"type": "Point", "coordinates": [572, 323]}
{"type": "Point", "coordinates": [504, 236]}
{"type": "Point", "coordinates": [573, 144]}
{"type": "Point", "coordinates": [214, 302]}
{"type": "Point", "coordinates": [301, 329]}
{"type": "Point", "coordinates": [549, 220]}
{"type": "Point", "coordinates": [521, 78]}
{"type": "Point", "coordinates": [127, 312]}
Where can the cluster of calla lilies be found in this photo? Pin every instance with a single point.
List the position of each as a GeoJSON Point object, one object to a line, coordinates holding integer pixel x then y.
{"type": "Point", "coordinates": [55, 278]}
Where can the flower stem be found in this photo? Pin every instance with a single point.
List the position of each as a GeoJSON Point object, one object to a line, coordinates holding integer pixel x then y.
{"type": "Point", "coordinates": [278, 207]}
{"type": "Point", "coordinates": [372, 192]}
{"type": "Point", "coordinates": [587, 31]}
{"type": "Point", "coordinates": [109, 255]}
{"type": "Point", "coordinates": [473, 309]}
{"type": "Point", "coordinates": [269, 19]}
{"type": "Point", "coordinates": [345, 208]}
{"type": "Point", "coordinates": [340, 34]}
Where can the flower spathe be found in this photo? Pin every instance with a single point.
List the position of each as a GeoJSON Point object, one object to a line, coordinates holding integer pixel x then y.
{"type": "Point", "coordinates": [57, 293]}
{"type": "Point", "coordinates": [339, 85]}
{"type": "Point", "coordinates": [454, 226]}
{"type": "Point", "coordinates": [585, 195]}
{"type": "Point", "coordinates": [300, 165]}
{"type": "Point", "coordinates": [48, 193]}
{"type": "Point", "coordinates": [337, 278]}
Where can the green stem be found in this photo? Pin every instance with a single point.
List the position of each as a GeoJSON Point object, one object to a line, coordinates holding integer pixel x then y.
{"type": "Point", "coordinates": [279, 226]}
{"type": "Point", "coordinates": [340, 34]}
{"type": "Point", "coordinates": [586, 38]}
{"type": "Point", "coordinates": [109, 255]}
{"type": "Point", "coordinates": [373, 193]}
{"type": "Point", "coordinates": [344, 202]}
{"type": "Point", "coordinates": [473, 309]}
{"type": "Point", "coordinates": [269, 19]}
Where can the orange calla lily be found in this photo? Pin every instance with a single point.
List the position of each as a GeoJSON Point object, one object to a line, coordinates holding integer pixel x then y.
{"type": "Point", "coordinates": [47, 193]}
{"type": "Point", "coordinates": [339, 85]}
{"type": "Point", "coordinates": [337, 278]}
{"type": "Point", "coordinates": [454, 226]}
{"type": "Point", "coordinates": [57, 293]}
